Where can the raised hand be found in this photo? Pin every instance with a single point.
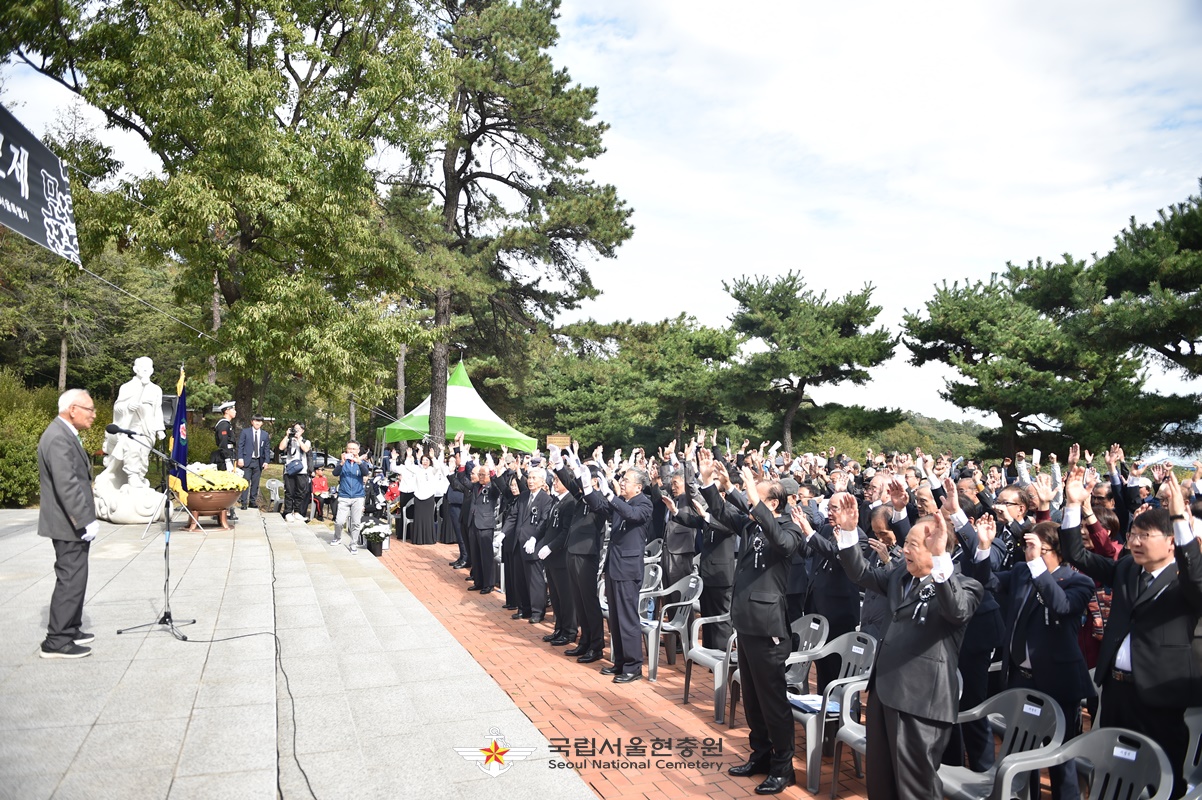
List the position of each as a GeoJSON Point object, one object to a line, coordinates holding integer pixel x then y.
{"type": "Point", "coordinates": [986, 529]}
{"type": "Point", "coordinates": [1088, 457]}
{"type": "Point", "coordinates": [1158, 472]}
{"type": "Point", "coordinates": [951, 500]}
{"type": "Point", "coordinates": [705, 465]}
{"type": "Point", "coordinates": [1074, 454]}
{"type": "Point", "coordinates": [1032, 545]}
{"type": "Point", "coordinates": [753, 491]}
{"type": "Point", "coordinates": [1044, 491]}
{"type": "Point", "coordinates": [898, 495]}
{"type": "Point", "coordinates": [844, 511]}
{"type": "Point", "coordinates": [721, 475]}
{"type": "Point", "coordinates": [802, 520]}
{"type": "Point", "coordinates": [881, 549]}
{"type": "Point", "coordinates": [840, 482]}
{"type": "Point", "coordinates": [670, 503]}
{"type": "Point", "coordinates": [936, 539]}
{"type": "Point", "coordinates": [1074, 487]}
{"type": "Point", "coordinates": [1177, 506]}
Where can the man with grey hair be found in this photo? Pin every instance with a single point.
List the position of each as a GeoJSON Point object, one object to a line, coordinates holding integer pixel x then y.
{"type": "Point", "coordinates": [629, 515]}
{"type": "Point", "coordinates": [67, 516]}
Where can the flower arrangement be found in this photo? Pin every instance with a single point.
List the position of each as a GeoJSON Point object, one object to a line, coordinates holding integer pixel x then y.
{"type": "Point", "coordinates": [375, 533]}
{"type": "Point", "coordinates": [212, 479]}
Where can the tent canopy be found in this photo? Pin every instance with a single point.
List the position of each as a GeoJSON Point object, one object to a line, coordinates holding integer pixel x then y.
{"type": "Point", "coordinates": [465, 412]}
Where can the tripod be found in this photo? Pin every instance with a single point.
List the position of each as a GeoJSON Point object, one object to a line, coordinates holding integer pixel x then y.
{"type": "Point", "coordinates": [165, 619]}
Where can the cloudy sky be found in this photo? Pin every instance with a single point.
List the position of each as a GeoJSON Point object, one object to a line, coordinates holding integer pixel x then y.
{"type": "Point", "coordinates": [897, 144]}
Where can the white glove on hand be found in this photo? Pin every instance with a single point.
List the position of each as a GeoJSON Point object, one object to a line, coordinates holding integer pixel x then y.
{"type": "Point", "coordinates": [542, 554]}
{"type": "Point", "coordinates": [90, 531]}
{"type": "Point", "coordinates": [529, 546]}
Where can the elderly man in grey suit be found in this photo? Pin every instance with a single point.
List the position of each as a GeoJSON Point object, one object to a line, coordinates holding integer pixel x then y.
{"type": "Point", "coordinates": [912, 699]}
{"type": "Point", "coordinates": [68, 517]}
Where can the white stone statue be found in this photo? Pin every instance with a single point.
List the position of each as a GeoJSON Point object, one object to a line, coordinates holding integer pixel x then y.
{"type": "Point", "coordinates": [123, 495]}
{"type": "Point", "coordinates": [139, 407]}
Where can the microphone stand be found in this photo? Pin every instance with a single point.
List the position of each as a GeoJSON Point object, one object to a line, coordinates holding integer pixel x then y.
{"type": "Point", "coordinates": [165, 619]}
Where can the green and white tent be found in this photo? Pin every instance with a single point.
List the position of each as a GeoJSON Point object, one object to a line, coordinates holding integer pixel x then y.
{"type": "Point", "coordinates": [465, 412]}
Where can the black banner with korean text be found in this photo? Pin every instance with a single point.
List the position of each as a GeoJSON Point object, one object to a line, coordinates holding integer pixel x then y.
{"type": "Point", "coordinates": [35, 195]}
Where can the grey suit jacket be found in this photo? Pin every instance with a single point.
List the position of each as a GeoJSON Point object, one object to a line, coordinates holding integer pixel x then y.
{"type": "Point", "coordinates": [915, 670]}
{"type": "Point", "coordinates": [67, 504]}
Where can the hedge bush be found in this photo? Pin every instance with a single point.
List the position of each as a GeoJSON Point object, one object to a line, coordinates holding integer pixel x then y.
{"type": "Point", "coordinates": [24, 414]}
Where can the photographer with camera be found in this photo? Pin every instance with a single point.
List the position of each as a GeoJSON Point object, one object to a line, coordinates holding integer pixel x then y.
{"type": "Point", "coordinates": [295, 448]}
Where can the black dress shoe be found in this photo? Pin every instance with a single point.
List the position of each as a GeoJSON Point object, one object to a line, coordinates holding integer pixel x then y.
{"type": "Point", "coordinates": [553, 635]}
{"type": "Point", "coordinates": [459, 565]}
{"type": "Point", "coordinates": [475, 587]}
{"type": "Point", "coordinates": [508, 607]}
{"type": "Point", "coordinates": [750, 768]}
{"type": "Point", "coordinates": [520, 615]}
{"type": "Point", "coordinates": [470, 578]}
{"type": "Point", "coordinates": [536, 618]}
{"type": "Point", "coordinates": [242, 507]}
{"type": "Point", "coordinates": [560, 641]}
{"type": "Point", "coordinates": [456, 563]}
{"type": "Point", "coordinates": [589, 657]}
{"type": "Point", "coordinates": [486, 591]}
{"type": "Point", "coordinates": [575, 651]}
{"type": "Point", "coordinates": [775, 784]}
{"type": "Point", "coordinates": [610, 670]}
{"type": "Point", "coordinates": [628, 677]}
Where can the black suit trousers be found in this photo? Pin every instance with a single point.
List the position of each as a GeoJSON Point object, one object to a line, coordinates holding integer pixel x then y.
{"type": "Point", "coordinates": [515, 584]}
{"type": "Point", "coordinates": [252, 472]}
{"type": "Point", "coordinates": [715, 601]}
{"type": "Point", "coordinates": [1122, 708]}
{"type": "Point", "coordinates": [561, 599]}
{"type": "Point", "coordinates": [766, 703]}
{"type": "Point", "coordinates": [483, 560]}
{"type": "Point", "coordinates": [627, 651]}
{"type": "Point", "coordinates": [70, 586]}
{"type": "Point", "coordinates": [536, 587]}
{"type": "Point", "coordinates": [907, 750]}
{"type": "Point", "coordinates": [582, 582]}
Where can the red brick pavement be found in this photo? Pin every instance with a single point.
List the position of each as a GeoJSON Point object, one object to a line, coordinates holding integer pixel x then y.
{"type": "Point", "coordinates": [569, 700]}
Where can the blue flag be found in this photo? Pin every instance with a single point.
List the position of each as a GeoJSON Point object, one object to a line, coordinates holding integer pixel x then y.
{"type": "Point", "coordinates": [178, 480]}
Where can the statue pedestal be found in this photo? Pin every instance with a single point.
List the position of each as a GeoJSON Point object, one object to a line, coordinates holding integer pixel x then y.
{"type": "Point", "coordinates": [121, 504]}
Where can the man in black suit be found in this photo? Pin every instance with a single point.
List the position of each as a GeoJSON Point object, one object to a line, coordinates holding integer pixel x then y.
{"type": "Point", "coordinates": [67, 516]}
{"type": "Point", "coordinates": [912, 692]}
{"type": "Point", "coordinates": [586, 528]}
{"type": "Point", "coordinates": [832, 594]}
{"type": "Point", "coordinates": [534, 512]}
{"type": "Point", "coordinates": [254, 451]}
{"type": "Point", "coordinates": [551, 550]}
{"type": "Point", "coordinates": [717, 567]}
{"type": "Point", "coordinates": [759, 612]}
{"type": "Point", "coordinates": [1044, 602]}
{"type": "Point", "coordinates": [629, 514]}
{"type": "Point", "coordinates": [1148, 667]}
{"type": "Point", "coordinates": [480, 508]}
{"type": "Point", "coordinates": [680, 533]}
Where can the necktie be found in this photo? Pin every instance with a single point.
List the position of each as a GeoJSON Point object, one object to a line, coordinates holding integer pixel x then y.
{"type": "Point", "coordinates": [1145, 582]}
{"type": "Point", "coordinates": [256, 437]}
{"type": "Point", "coordinates": [1018, 642]}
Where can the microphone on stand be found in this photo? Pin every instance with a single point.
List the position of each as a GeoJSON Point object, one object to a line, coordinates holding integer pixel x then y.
{"type": "Point", "coordinates": [112, 427]}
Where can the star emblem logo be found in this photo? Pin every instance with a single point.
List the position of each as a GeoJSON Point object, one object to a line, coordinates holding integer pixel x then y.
{"type": "Point", "coordinates": [494, 753]}
{"type": "Point", "coordinates": [497, 757]}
